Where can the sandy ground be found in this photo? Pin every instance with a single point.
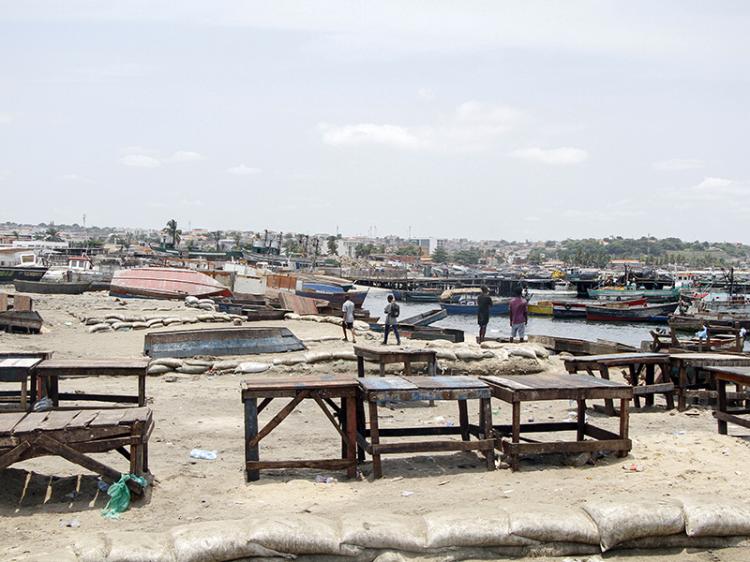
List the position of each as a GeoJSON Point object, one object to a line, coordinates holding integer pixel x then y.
{"type": "Point", "coordinates": [680, 453]}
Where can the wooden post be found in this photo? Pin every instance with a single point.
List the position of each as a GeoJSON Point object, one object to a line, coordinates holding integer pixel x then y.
{"type": "Point", "coordinates": [681, 398]}
{"type": "Point", "coordinates": [142, 389]}
{"type": "Point", "coordinates": [361, 424]}
{"type": "Point", "coordinates": [721, 387]}
{"type": "Point", "coordinates": [463, 419]}
{"type": "Point", "coordinates": [609, 407]}
{"type": "Point", "coordinates": [624, 423]}
{"type": "Point", "coordinates": [581, 415]}
{"type": "Point", "coordinates": [350, 415]}
{"type": "Point", "coordinates": [650, 369]}
{"type": "Point", "coordinates": [485, 408]}
{"type": "Point", "coordinates": [251, 431]}
{"type": "Point", "coordinates": [377, 469]}
{"type": "Point", "coordinates": [360, 366]}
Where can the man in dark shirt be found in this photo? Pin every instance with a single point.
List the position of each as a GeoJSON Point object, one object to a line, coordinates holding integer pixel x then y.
{"type": "Point", "coordinates": [519, 315]}
{"type": "Point", "coordinates": [484, 303]}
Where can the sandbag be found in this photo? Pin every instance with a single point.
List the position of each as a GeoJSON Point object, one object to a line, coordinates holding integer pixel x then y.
{"type": "Point", "coordinates": [192, 369]}
{"type": "Point", "coordinates": [706, 519]}
{"type": "Point", "coordinates": [191, 300]}
{"type": "Point", "coordinates": [103, 327]}
{"type": "Point", "coordinates": [292, 316]}
{"type": "Point", "coordinates": [206, 301]}
{"type": "Point", "coordinates": [202, 362]}
{"type": "Point", "coordinates": [122, 326]}
{"type": "Point", "coordinates": [138, 547]}
{"type": "Point", "coordinates": [296, 534]}
{"type": "Point", "coordinates": [438, 343]}
{"type": "Point", "coordinates": [225, 365]}
{"type": "Point", "coordinates": [93, 321]}
{"type": "Point", "coordinates": [205, 317]}
{"type": "Point", "coordinates": [171, 320]}
{"type": "Point", "coordinates": [291, 360]}
{"type": "Point", "coordinates": [384, 531]}
{"type": "Point", "coordinates": [317, 356]}
{"type": "Point", "coordinates": [140, 325]}
{"type": "Point", "coordinates": [252, 367]}
{"type": "Point", "coordinates": [620, 522]}
{"type": "Point", "coordinates": [154, 322]}
{"type": "Point", "coordinates": [540, 351]}
{"type": "Point", "coordinates": [158, 369]}
{"type": "Point", "coordinates": [168, 361]}
{"type": "Point", "coordinates": [554, 525]}
{"type": "Point", "coordinates": [216, 541]}
{"type": "Point", "coordinates": [465, 527]}
{"type": "Point", "coordinates": [445, 354]}
{"type": "Point", "coordinates": [491, 345]}
{"type": "Point", "coordinates": [361, 325]}
{"type": "Point", "coordinates": [344, 355]}
{"type": "Point", "coordinates": [522, 352]}
{"type": "Point", "coordinates": [469, 355]}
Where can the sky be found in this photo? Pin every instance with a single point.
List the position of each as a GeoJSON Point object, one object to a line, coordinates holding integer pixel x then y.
{"type": "Point", "coordinates": [476, 119]}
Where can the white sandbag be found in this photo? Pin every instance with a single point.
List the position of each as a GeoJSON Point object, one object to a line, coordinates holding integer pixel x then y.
{"type": "Point", "coordinates": [122, 326]}
{"type": "Point", "coordinates": [709, 519]}
{"type": "Point", "coordinates": [501, 354]}
{"type": "Point", "coordinates": [522, 352]}
{"type": "Point", "coordinates": [191, 300]}
{"type": "Point", "coordinates": [226, 365]}
{"type": "Point", "coordinates": [344, 355]}
{"type": "Point", "coordinates": [158, 369]}
{"type": "Point", "coordinates": [155, 322]}
{"type": "Point", "coordinates": [469, 355]}
{"type": "Point", "coordinates": [540, 351]}
{"type": "Point", "coordinates": [138, 547]}
{"type": "Point", "coordinates": [103, 327]}
{"type": "Point", "coordinates": [168, 361]}
{"type": "Point", "coordinates": [192, 369]}
{"type": "Point", "coordinates": [216, 541]}
{"type": "Point", "coordinates": [491, 345]}
{"type": "Point", "coordinates": [206, 301]}
{"type": "Point", "coordinates": [317, 356]}
{"type": "Point", "coordinates": [171, 320]}
{"type": "Point", "coordinates": [206, 307]}
{"type": "Point", "coordinates": [191, 320]}
{"type": "Point", "coordinates": [361, 325]}
{"type": "Point", "coordinates": [554, 525]}
{"type": "Point", "coordinates": [222, 317]}
{"type": "Point", "coordinates": [93, 321]}
{"type": "Point", "coordinates": [296, 534]}
{"type": "Point", "coordinates": [140, 325]}
{"type": "Point", "coordinates": [289, 360]}
{"type": "Point", "coordinates": [620, 522]}
{"type": "Point", "coordinates": [466, 527]}
{"type": "Point", "coordinates": [292, 316]}
{"type": "Point", "coordinates": [445, 354]}
{"type": "Point", "coordinates": [201, 362]}
{"type": "Point", "coordinates": [115, 317]}
{"type": "Point", "coordinates": [205, 317]}
{"type": "Point", "coordinates": [252, 367]}
{"type": "Point", "coordinates": [384, 531]}
{"type": "Point", "coordinates": [438, 343]}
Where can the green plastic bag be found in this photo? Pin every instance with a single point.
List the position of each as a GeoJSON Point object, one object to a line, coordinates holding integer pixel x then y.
{"type": "Point", "coordinates": [119, 496]}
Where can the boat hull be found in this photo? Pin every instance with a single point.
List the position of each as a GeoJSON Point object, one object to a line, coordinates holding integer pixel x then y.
{"type": "Point", "coordinates": [165, 283]}
{"type": "Point", "coordinates": [50, 288]}
{"type": "Point", "coordinates": [426, 318]}
{"type": "Point", "coordinates": [335, 299]}
{"type": "Point", "coordinates": [425, 332]}
{"type": "Point", "coordinates": [10, 274]}
{"type": "Point", "coordinates": [472, 309]}
{"type": "Point", "coordinates": [647, 313]}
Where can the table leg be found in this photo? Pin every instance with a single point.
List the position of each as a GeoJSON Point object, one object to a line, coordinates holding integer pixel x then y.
{"type": "Point", "coordinates": [54, 383]}
{"type": "Point", "coordinates": [382, 369]}
{"type": "Point", "coordinates": [24, 394]}
{"type": "Point", "coordinates": [650, 372]}
{"type": "Point", "coordinates": [634, 376]}
{"type": "Point", "coordinates": [581, 420]}
{"type": "Point", "coordinates": [361, 426]}
{"type": "Point", "coordinates": [407, 368]}
{"type": "Point", "coordinates": [516, 433]}
{"type": "Point", "coordinates": [377, 469]}
{"type": "Point", "coordinates": [251, 431]}
{"type": "Point", "coordinates": [463, 419]}
{"type": "Point", "coordinates": [485, 407]}
{"type": "Point", "coordinates": [609, 407]}
{"type": "Point", "coordinates": [721, 387]}
{"type": "Point", "coordinates": [432, 367]}
{"type": "Point", "coordinates": [360, 366]}
{"type": "Point", "coordinates": [681, 398]}
{"type": "Point", "coordinates": [142, 390]}
{"type": "Point", "coordinates": [624, 423]}
{"type": "Point", "coordinates": [665, 376]}
{"type": "Point", "coordinates": [351, 432]}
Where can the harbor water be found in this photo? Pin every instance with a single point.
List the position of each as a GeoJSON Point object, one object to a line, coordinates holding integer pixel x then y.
{"type": "Point", "coordinates": [631, 334]}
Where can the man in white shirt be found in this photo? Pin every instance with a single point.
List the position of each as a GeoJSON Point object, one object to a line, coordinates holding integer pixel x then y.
{"type": "Point", "coordinates": [348, 314]}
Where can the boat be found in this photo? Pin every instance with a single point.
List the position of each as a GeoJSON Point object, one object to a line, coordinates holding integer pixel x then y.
{"type": "Point", "coordinates": [540, 308]}
{"type": "Point", "coordinates": [624, 294]}
{"type": "Point", "coordinates": [695, 322]}
{"type": "Point", "coordinates": [425, 318]}
{"type": "Point", "coordinates": [657, 313]}
{"type": "Point", "coordinates": [51, 287]}
{"type": "Point", "coordinates": [467, 304]}
{"type": "Point", "coordinates": [424, 332]}
{"type": "Point", "coordinates": [221, 341]}
{"type": "Point", "coordinates": [21, 273]}
{"type": "Point", "coordinates": [423, 295]}
{"type": "Point", "coordinates": [577, 309]}
{"type": "Point", "coordinates": [580, 347]}
{"type": "Point", "coordinates": [251, 311]}
{"type": "Point", "coordinates": [333, 294]}
{"type": "Point", "coordinates": [165, 283]}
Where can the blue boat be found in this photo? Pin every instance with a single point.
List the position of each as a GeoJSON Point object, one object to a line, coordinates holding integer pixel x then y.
{"type": "Point", "coordinates": [468, 305]}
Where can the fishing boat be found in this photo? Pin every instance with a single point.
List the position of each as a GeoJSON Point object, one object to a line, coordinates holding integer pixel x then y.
{"type": "Point", "coordinates": [540, 308]}
{"type": "Point", "coordinates": [624, 294]}
{"type": "Point", "coordinates": [21, 273]}
{"type": "Point", "coordinates": [165, 283]}
{"type": "Point", "coordinates": [568, 309]}
{"type": "Point", "coordinates": [333, 294]}
{"type": "Point", "coordinates": [423, 295]}
{"type": "Point", "coordinates": [424, 332]}
{"type": "Point", "coordinates": [425, 318]}
{"type": "Point", "coordinates": [656, 313]}
{"type": "Point", "coordinates": [467, 304]}
{"type": "Point", "coordinates": [51, 287]}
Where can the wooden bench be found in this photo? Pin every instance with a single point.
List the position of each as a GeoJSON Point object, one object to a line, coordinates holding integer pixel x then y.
{"type": "Point", "coordinates": [681, 362]}
{"type": "Point", "coordinates": [740, 377]}
{"type": "Point", "coordinates": [71, 434]}
{"type": "Point", "coordinates": [384, 356]}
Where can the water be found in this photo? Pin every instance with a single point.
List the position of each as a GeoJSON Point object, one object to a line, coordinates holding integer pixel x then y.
{"type": "Point", "coordinates": [632, 334]}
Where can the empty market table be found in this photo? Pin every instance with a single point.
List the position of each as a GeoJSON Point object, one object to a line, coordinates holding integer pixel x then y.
{"type": "Point", "coordinates": [385, 355]}
{"type": "Point", "coordinates": [516, 389]}
{"type": "Point", "coordinates": [739, 376]}
{"type": "Point", "coordinates": [641, 366]}
{"type": "Point", "coordinates": [18, 369]}
{"type": "Point", "coordinates": [323, 389]}
{"type": "Point", "coordinates": [374, 390]}
{"type": "Point", "coordinates": [681, 362]}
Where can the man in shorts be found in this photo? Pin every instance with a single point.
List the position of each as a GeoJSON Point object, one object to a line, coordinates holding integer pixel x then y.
{"type": "Point", "coordinates": [519, 315]}
{"type": "Point", "coordinates": [484, 303]}
{"type": "Point", "coordinates": [347, 310]}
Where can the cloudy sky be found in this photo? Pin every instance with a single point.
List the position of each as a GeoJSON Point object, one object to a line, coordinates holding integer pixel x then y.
{"type": "Point", "coordinates": [477, 119]}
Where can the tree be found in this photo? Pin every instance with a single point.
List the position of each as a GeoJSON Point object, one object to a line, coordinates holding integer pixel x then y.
{"type": "Point", "coordinates": [535, 256]}
{"type": "Point", "coordinates": [216, 235]}
{"type": "Point", "coordinates": [408, 251]}
{"type": "Point", "coordinates": [467, 257]}
{"type": "Point", "coordinates": [333, 246]}
{"type": "Point", "coordinates": [237, 238]}
{"type": "Point", "coordinates": [52, 235]}
{"type": "Point", "coordinates": [172, 231]}
{"type": "Point", "coordinates": [440, 256]}
{"type": "Point", "coordinates": [292, 246]}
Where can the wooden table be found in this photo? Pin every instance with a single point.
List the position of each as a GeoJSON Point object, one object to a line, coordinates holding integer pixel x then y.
{"type": "Point", "coordinates": [682, 361]}
{"type": "Point", "coordinates": [638, 364]}
{"type": "Point", "coordinates": [321, 388]}
{"type": "Point", "coordinates": [384, 355]}
{"type": "Point", "coordinates": [740, 376]}
{"type": "Point", "coordinates": [51, 371]}
{"type": "Point", "coordinates": [410, 389]}
{"type": "Point", "coordinates": [516, 389]}
{"type": "Point", "coordinates": [19, 369]}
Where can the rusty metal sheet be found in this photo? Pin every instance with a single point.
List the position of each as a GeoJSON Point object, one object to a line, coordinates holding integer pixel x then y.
{"type": "Point", "coordinates": [221, 341]}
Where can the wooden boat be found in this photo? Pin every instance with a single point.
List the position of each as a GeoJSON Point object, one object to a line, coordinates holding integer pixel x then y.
{"type": "Point", "coordinates": [20, 273]}
{"type": "Point", "coordinates": [423, 295]}
{"type": "Point", "coordinates": [657, 313]}
{"type": "Point", "coordinates": [580, 347]}
{"type": "Point", "coordinates": [425, 318]}
{"type": "Point", "coordinates": [577, 309]}
{"type": "Point", "coordinates": [695, 322]}
{"type": "Point", "coordinates": [332, 294]}
{"type": "Point", "coordinates": [252, 312]}
{"type": "Point", "coordinates": [623, 294]}
{"type": "Point", "coordinates": [540, 308]}
{"type": "Point", "coordinates": [51, 287]}
{"type": "Point", "coordinates": [165, 283]}
{"type": "Point", "coordinates": [467, 304]}
{"type": "Point", "coordinates": [220, 341]}
{"type": "Point", "coordinates": [424, 332]}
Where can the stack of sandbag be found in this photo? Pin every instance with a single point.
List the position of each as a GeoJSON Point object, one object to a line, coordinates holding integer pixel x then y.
{"type": "Point", "coordinates": [202, 304]}
{"type": "Point", "coordinates": [122, 322]}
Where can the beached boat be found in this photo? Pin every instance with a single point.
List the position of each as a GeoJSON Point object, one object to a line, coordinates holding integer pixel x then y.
{"type": "Point", "coordinates": [580, 347]}
{"type": "Point", "coordinates": [424, 332]}
{"type": "Point", "coordinates": [425, 318]}
{"type": "Point", "coordinates": [467, 304]}
{"type": "Point", "coordinates": [333, 294]}
{"type": "Point", "coordinates": [657, 313]}
{"type": "Point", "coordinates": [423, 295]}
{"type": "Point", "coordinates": [51, 287]}
{"type": "Point", "coordinates": [165, 283]}
{"type": "Point", "coordinates": [21, 273]}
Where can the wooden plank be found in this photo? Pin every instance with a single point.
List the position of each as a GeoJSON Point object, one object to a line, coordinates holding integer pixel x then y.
{"type": "Point", "coordinates": [551, 382]}
{"type": "Point", "coordinates": [9, 420]}
{"type": "Point", "coordinates": [300, 383]}
{"type": "Point", "coordinates": [132, 415]}
{"type": "Point", "coordinates": [29, 423]}
{"type": "Point", "coordinates": [57, 419]}
{"type": "Point", "coordinates": [625, 357]}
{"type": "Point", "coordinates": [107, 417]}
{"type": "Point", "coordinates": [83, 419]}
{"type": "Point", "coordinates": [441, 382]}
{"type": "Point", "coordinates": [392, 383]}
{"type": "Point", "coordinates": [329, 464]}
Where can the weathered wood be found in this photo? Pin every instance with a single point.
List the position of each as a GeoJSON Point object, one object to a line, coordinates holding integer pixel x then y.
{"type": "Point", "coordinates": [329, 464]}
{"type": "Point", "coordinates": [221, 341]}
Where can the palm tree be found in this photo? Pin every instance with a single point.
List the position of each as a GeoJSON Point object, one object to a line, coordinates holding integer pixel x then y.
{"type": "Point", "coordinates": [173, 232]}
{"type": "Point", "coordinates": [52, 234]}
{"type": "Point", "coordinates": [216, 235]}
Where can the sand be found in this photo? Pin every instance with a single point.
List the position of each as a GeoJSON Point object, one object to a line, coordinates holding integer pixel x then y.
{"type": "Point", "coordinates": [681, 454]}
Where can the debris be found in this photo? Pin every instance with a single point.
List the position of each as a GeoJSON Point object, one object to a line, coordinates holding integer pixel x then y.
{"type": "Point", "coordinates": [406, 494]}
{"type": "Point", "coordinates": [320, 479]}
{"type": "Point", "coordinates": [633, 467]}
{"type": "Point", "coordinates": [72, 523]}
{"type": "Point", "coordinates": [203, 454]}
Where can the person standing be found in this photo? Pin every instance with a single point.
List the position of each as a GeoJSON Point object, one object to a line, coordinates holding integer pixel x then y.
{"type": "Point", "coordinates": [348, 318]}
{"type": "Point", "coordinates": [484, 304]}
{"type": "Point", "coordinates": [392, 310]}
{"type": "Point", "coordinates": [519, 315]}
